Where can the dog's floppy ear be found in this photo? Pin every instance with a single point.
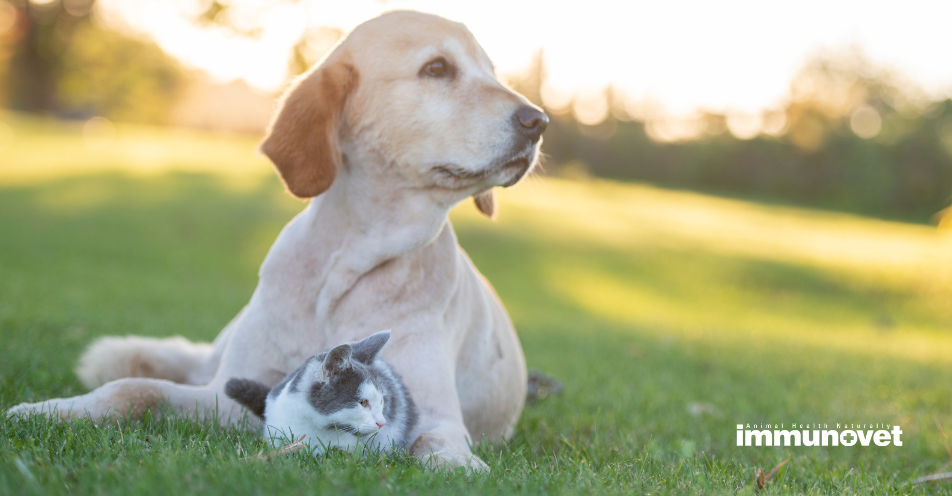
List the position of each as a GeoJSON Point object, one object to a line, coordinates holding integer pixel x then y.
{"type": "Point", "coordinates": [486, 203]}
{"type": "Point", "coordinates": [302, 138]}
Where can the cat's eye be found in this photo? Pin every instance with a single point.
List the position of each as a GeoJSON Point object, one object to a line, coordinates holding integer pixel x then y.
{"type": "Point", "coordinates": [365, 403]}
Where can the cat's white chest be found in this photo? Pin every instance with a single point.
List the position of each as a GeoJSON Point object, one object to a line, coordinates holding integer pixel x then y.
{"type": "Point", "coordinates": [286, 420]}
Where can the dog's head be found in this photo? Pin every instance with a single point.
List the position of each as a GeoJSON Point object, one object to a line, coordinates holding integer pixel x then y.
{"type": "Point", "coordinates": [417, 94]}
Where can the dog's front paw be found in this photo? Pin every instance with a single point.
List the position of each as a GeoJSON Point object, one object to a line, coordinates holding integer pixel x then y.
{"type": "Point", "coordinates": [438, 451]}
{"type": "Point", "coordinates": [49, 409]}
{"type": "Point", "coordinates": [448, 459]}
{"type": "Point", "coordinates": [23, 410]}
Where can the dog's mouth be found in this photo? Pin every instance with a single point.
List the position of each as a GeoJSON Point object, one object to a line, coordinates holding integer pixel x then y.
{"type": "Point", "coordinates": [520, 166]}
{"type": "Point", "coordinates": [512, 169]}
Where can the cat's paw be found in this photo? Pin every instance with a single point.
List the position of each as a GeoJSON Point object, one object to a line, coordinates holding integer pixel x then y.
{"type": "Point", "coordinates": [448, 459]}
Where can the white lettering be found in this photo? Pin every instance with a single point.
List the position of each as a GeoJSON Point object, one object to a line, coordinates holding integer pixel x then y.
{"type": "Point", "coordinates": [882, 438]}
{"type": "Point", "coordinates": [811, 442]}
{"type": "Point", "coordinates": [848, 438]}
{"type": "Point", "coordinates": [828, 435]}
{"type": "Point", "coordinates": [896, 431]}
{"type": "Point", "coordinates": [761, 436]}
{"type": "Point", "coordinates": [786, 435]}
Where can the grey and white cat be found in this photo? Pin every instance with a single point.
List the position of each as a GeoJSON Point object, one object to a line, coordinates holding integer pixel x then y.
{"type": "Point", "coordinates": [339, 398]}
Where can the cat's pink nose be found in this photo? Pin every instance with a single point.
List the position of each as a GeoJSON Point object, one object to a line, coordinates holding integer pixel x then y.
{"type": "Point", "coordinates": [381, 424]}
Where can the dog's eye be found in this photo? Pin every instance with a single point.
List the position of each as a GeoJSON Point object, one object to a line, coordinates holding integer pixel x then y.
{"type": "Point", "coordinates": [365, 403]}
{"type": "Point", "coordinates": [436, 68]}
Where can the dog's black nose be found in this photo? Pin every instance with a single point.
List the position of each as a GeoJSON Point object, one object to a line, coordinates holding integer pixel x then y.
{"type": "Point", "coordinates": [531, 122]}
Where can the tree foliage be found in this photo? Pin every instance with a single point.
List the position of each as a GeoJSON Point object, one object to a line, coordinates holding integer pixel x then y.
{"type": "Point", "coordinates": [61, 61]}
{"type": "Point", "coordinates": [817, 159]}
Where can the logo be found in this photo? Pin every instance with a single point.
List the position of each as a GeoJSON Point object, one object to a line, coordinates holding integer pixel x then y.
{"type": "Point", "coordinates": [814, 435]}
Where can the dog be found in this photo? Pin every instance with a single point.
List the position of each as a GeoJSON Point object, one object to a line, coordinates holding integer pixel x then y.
{"type": "Point", "coordinates": [400, 122]}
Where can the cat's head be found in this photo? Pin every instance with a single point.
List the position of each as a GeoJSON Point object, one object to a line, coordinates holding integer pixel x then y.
{"type": "Point", "coordinates": [343, 387]}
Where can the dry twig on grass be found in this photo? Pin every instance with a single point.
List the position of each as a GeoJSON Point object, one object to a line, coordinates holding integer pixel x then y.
{"type": "Point", "coordinates": [282, 451]}
{"type": "Point", "coordinates": [762, 479]}
{"type": "Point", "coordinates": [933, 478]}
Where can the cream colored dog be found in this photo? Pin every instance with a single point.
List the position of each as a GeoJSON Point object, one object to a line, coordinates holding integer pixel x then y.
{"type": "Point", "coordinates": [399, 123]}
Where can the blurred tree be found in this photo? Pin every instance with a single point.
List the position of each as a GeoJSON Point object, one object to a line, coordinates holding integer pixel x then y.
{"type": "Point", "coordinates": [853, 137]}
{"type": "Point", "coordinates": [42, 34]}
{"type": "Point", "coordinates": [107, 73]}
{"type": "Point", "coordinates": [243, 19]}
{"type": "Point", "coordinates": [63, 62]}
{"type": "Point", "coordinates": [826, 93]}
{"type": "Point", "coordinates": [57, 59]}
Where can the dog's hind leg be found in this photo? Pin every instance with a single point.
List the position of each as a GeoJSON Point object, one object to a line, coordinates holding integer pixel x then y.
{"type": "Point", "coordinates": [174, 359]}
{"type": "Point", "coordinates": [134, 396]}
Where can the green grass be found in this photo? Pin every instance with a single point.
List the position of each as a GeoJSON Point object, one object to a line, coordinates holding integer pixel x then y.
{"type": "Point", "coordinates": [643, 302]}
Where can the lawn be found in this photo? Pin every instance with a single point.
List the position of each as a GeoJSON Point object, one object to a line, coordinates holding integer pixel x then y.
{"type": "Point", "coordinates": [669, 317]}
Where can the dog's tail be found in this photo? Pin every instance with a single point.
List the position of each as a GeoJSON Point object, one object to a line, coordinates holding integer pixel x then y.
{"type": "Point", "coordinates": [112, 357]}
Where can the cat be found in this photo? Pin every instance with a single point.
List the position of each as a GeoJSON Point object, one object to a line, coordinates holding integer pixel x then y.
{"type": "Point", "coordinates": [339, 398]}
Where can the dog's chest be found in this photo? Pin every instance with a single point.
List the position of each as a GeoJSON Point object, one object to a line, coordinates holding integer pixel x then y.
{"type": "Point", "coordinates": [385, 297]}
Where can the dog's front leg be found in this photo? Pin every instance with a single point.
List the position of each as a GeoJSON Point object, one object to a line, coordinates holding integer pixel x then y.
{"type": "Point", "coordinates": [446, 446]}
{"type": "Point", "coordinates": [133, 396]}
{"type": "Point", "coordinates": [429, 371]}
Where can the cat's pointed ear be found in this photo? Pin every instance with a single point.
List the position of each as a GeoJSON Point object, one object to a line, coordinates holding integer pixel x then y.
{"type": "Point", "coordinates": [336, 361]}
{"type": "Point", "coordinates": [365, 351]}
{"type": "Point", "coordinates": [486, 203]}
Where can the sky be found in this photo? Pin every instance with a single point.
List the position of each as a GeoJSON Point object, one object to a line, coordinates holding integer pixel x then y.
{"type": "Point", "coordinates": [725, 56]}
